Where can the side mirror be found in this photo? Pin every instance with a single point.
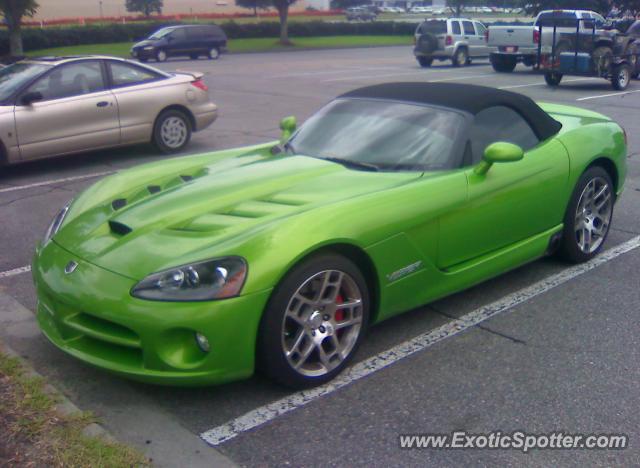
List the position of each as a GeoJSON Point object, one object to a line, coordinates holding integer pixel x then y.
{"type": "Point", "coordinates": [500, 152]}
{"type": "Point", "coordinates": [31, 97]}
{"type": "Point", "coordinates": [288, 125]}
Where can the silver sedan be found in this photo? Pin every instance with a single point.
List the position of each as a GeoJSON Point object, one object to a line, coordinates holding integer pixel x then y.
{"type": "Point", "coordinates": [57, 106]}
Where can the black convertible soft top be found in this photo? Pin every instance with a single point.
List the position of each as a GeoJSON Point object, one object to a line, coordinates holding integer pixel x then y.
{"type": "Point", "coordinates": [464, 97]}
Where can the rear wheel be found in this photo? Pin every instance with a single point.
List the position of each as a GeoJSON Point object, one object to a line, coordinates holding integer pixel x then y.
{"type": "Point", "coordinates": [425, 62]}
{"type": "Point", "coordinates": [621, 76]}
{"type": "Point", "coordinates": [214, 53]}
{"type": "Point", "coordinates": [314, 322]}
{"type": "Point", "coordinates": [503, 64]}
{"type": "Point", "coordinates": [172, 131]}
{"type": "Point", "coordinates": [553, 78]}
{"type": "Point", "coordinates": [460, 57]}
{"type": "Point", "coordinates": [588, 216]}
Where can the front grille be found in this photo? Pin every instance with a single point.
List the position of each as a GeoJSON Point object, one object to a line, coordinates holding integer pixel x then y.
{"type": "Point", "coordinates": [102, 339]}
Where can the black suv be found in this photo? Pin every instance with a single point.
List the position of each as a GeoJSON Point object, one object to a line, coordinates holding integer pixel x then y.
{"type": "Point", "coordinates": [190, 41]}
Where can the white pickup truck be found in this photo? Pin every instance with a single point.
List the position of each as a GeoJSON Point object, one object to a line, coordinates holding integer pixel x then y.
{"type": "Point", "coordinates": [509, 45]}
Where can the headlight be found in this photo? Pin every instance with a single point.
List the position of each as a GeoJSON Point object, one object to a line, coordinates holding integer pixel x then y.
{"type": "Point", "coordinates": [56, 223]}
{"type": "Point", "coordinates": [149, 48]}
{"type": "Point", "coordinates": [204, 281]}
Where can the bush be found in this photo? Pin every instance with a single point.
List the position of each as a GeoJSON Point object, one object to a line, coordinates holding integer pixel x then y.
{"type": "Point", "coordinates": [50, 37]}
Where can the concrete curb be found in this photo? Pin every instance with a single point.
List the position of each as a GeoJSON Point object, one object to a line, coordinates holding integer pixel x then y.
{"type": "Point", "coordinates": [64, 406]}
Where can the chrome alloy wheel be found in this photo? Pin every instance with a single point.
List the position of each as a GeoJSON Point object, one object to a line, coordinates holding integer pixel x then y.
{"type": "Point", "coordinates": [174, 132]}
{"type": "Point", "coordinates": [322, 323]}
{"type": "Point", "coordinates": [593, 215]}
{"type": "Point", "coordinates": [623, 77]}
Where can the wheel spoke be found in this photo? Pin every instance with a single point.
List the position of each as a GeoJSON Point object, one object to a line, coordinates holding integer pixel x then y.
{"type": "Point", "coordinates": [348, 323]}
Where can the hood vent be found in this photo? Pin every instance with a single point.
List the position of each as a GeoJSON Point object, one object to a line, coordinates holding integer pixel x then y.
{"type": "Point", "coordinates": [119, 228]}
{"type": "Point", "coordinates": [119, 203]}
{"type": "Point", "coordinates": [154, 189]}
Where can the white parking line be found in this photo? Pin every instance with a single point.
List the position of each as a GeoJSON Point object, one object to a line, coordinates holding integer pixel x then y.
{"type": "Point", "coordinates": [55, 181]}
{"type": "Point", "coordinates": [264, 414]}
{"type": "Point", "coordinates": [607, 95]}
{"type": "Point", "coordinates": [15, 271]}
{"type": "Point", "coordinates": [332, 72]}
{"type": "Point", "coordinates": [543, 83]}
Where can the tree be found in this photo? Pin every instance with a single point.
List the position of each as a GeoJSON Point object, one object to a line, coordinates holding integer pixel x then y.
{"type": "Point", "coordinates": [632, 6]}
{"type": "Point", "coordinates": [146, 7]}
{"type": "Point", "coordinates": [283, 12]}
{"type": "Point", "coordinates": [13, 12]}
{"type": "Point", "coordinates": [254, 5]}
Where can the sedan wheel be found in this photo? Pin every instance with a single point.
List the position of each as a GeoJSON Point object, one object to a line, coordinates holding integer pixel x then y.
{"type": "Point", "coordinates": [314, 322]}
{"type": "Point", "coordinates": [161, 56]}
{"type": "Point", "coordinates": [588, 216]}
{"type": "Point", "coordinates": [172, 131]}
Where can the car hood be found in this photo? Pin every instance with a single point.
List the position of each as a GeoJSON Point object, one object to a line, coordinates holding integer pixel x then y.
{"type": "Point", "coordinates": [145, 43]}
{"type": "Point", "coordinates": [148, 219]}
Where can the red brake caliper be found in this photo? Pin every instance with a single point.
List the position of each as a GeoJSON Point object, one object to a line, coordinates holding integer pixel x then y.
{"type": "Point", "coordinates": [339, 316]}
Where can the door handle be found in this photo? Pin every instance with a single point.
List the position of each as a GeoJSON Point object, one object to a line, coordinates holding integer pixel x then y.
{"type": "Point", "coordinates": [102, 104]}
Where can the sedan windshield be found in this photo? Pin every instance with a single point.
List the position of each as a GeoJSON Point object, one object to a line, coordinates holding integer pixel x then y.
{"type": "Point", "coordinates": [13, 77]}
{"type": "Point", "coordinates": [382, 135]}
{"type": "Point", "coordinates": [161, 33]}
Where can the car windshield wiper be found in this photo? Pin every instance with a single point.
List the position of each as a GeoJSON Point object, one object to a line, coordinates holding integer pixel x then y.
{"type": "Point", "coordinates": [354, 164]}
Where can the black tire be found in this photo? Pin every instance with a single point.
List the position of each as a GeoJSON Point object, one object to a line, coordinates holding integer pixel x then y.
{"type": "Point", "coordinates": [162, 141]}
{"type": "Point", "coordinates": [161, 56]}
{"type": "Point", "coordinates": [503, 64]}
{"type": "Point", "coordinates": [621, 76]}
{"type": "Point", "coordinates": [214, 53]}
{"type": "Point", "coordinates": [275, 324]}
{"type": "Point", "coordinates": [425, 62]}
{"type": "Point", "coordinates": [553, 78]}
{"type": "Point", "coordinates": [602, 57]}
{"type": "Point", "coordinates": [569, 245]}
{"type": "Point", "coordinates": [460, 57]}
{"type": "Point", "coordinates": [194, 56]}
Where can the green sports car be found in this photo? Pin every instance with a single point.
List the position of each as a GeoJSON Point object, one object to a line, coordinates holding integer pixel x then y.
{"type": "Point", "coordinates": [201, 269]}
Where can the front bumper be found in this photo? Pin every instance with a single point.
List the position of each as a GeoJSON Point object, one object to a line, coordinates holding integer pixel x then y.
{"type": "Point", "coordinates": [90, 315]}
{"type": "Point", "coordinates": [143, 54]}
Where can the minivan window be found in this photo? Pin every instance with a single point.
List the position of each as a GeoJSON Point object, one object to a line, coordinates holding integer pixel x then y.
{"type": "Point", "coordinates": [433, 27]}
{"type": "Point", "coordinates": [161, 33]}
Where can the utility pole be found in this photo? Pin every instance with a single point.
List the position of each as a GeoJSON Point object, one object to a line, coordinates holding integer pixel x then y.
{"type": "Point", "coordinates": [100, 5]}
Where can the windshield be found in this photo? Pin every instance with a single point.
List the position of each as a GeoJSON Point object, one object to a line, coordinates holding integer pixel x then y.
{"type": "Point", "coordinates": [161, 33]}
{"type": "Point", "coordinates": [13, 77]}
{"type": "Point", "coordinates": [384, 135]}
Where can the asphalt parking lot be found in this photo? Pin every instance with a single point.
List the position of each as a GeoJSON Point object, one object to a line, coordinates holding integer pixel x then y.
{"type": "Point", "coordinates": [566, 357]}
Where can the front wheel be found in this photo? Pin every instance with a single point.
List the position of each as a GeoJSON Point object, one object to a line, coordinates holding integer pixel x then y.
{"type": "Point", "coordinates": [314, 322]}
{"type": "Point", "coordinates": [161, 56]}
{"type": "Point", "coordinates": [553, 78]}
{"type": "Point", "coordinates": [588, 216]}
{"type": "Point", "coordinates": [621, 76]}
{"type": "Point", "coordinates": [172, 131]}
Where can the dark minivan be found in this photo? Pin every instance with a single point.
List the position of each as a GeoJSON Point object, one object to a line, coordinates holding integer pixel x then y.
{"type": "Point", "coordinates": [190, 41]}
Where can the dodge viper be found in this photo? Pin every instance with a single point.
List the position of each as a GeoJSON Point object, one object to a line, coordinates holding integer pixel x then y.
{"type": "Point", "coordinates": [277, 257]}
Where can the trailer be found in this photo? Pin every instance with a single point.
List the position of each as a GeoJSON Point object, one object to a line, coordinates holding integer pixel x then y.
{"type": "Point", "coordinates": [612, 56]}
